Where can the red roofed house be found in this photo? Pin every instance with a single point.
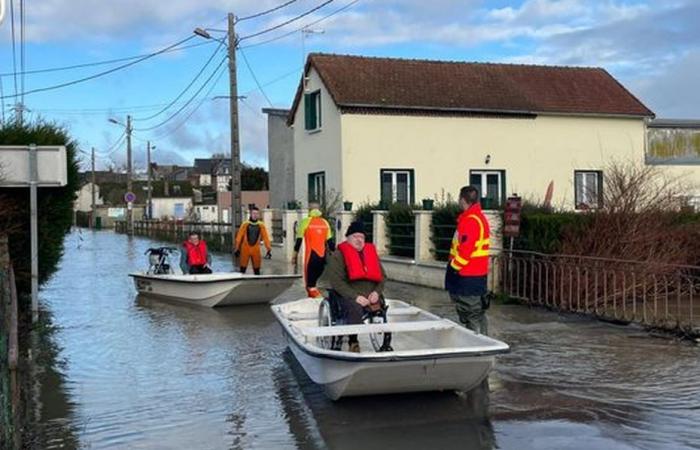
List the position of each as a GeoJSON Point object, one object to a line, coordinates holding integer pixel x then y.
{"type": "Point", "coordinates": [404, 130]}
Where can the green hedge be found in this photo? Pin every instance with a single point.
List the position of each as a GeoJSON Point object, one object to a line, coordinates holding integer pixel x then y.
{"type": "Point", "coordinates": [364, 215]}
{"type": "Point", "coordinates": [443, 228]}
{"type": "Point", "coordinates": [401, 230]}
{"type": "Point", "coordinates": [55, 205]}
{"type": "Point", "coordinates": [543, 232]}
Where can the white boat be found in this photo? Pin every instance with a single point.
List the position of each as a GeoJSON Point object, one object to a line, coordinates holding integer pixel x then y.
{"type": "Point", "coordinates": [429, 353]}
{"type": "Point", "coordinates": [216, 289]}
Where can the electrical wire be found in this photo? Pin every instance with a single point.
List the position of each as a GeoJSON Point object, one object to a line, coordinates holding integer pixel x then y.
{"type": "Point", "coordinates": [191, 113]}
{"type": "Point", "coordinates": [104, 62]}
{"type": "Point", "coordinates": [275, 80]}
{"type": "Point", "coordinates": [112, 148]}
{"type": "Point", "coordinates": [172, 116]}
{"type": "Point", "coordinates": [189, 85]}
{"type": "Point", "coordinates": [106, 72]}
{"type": "Point", "coordinates": [22, 42]}
{"type": "Point", "coordinates": [290, 33]}
{"type": "Point", "coordinates": [14, 52]}
{"type": "Point", "coordinates": [287, 22]}
{"type": "Point", "coordinates": [255, 78]}
{"type": "Point", "coordinates": [262, 13]}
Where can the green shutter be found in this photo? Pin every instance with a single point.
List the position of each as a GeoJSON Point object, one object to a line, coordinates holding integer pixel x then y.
{"type": "Point", "coordinates": [317, 108]}
{"type": "Point", "coordinates": [307, 111]}
{"type": "Point", "coordinates": [310, 195]}
{"type": "Point", "coordinates": [412, 193]}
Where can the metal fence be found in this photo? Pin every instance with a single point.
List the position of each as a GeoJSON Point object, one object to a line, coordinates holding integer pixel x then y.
{"type": "Point", "coordinates": [216, 234]}
{"type": "Point", "coordinates": [402, 239]}
{"type": "Point", "coordinates": [655, 295]}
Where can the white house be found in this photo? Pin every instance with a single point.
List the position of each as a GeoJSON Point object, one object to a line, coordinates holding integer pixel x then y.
{"type": "Point", "coordinates": [404, 130]}
{"type": "Point", "coordinates": [171, 207]}
{"type": "Point", "coordinates": [83, 202]}
{"type": "Point", "coordinates": [205, 213]}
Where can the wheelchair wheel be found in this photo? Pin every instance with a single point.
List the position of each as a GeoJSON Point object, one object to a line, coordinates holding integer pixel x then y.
{"type": "Point", "coordinates": [325, 320]}
{"type": "Point", "coordinates": [377, 339]}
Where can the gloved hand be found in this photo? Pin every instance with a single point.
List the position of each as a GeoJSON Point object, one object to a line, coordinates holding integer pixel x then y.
{"type": "Point", "coordinates": [268, 255]}
{"type": "Point", "coordinates": [237, 253]}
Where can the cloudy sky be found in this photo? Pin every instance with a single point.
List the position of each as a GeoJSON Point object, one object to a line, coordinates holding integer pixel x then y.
{"type": "Point", "coordinates": [652, 47]}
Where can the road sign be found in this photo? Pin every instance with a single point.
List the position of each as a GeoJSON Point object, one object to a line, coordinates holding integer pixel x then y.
{"type": "Point", "coordinates": [52, 166]}
{"type": "Point", "coordinates": [129, 197]}
{"type": "Point", "coordinates": [511, 220]}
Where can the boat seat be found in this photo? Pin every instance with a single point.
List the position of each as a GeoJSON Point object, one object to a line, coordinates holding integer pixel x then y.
{"type": "Point", "coordinates": [407, 311]}
{"type": "Point", "coordinates": [399, 327]}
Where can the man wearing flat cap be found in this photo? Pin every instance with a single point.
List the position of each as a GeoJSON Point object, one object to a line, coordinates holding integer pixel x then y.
{"type": "Point", "coordinates": [355, 279]}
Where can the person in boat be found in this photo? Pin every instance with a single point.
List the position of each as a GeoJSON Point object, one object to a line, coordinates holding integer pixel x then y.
{"type": "Point", "coordinates": [317, 235]}
{"type": "Point", "coordinates": [194, 257]}
{"type": "Point", "coordinates": [247, 248]}
{"type": "Point", "coordinates": [467, 270]}
{"type": "Point", "coordinates": [354, 278]}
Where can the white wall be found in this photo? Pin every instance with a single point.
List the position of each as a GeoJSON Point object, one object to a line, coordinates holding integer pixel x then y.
{"type": "Point", "coordinates": [317, 151]}
{"type": "Point", "coordinates": [164, 207]}
{"type": "Point", "coordinates": [84, 200]}
{"type": "Point", "coordinates": [206, 213]}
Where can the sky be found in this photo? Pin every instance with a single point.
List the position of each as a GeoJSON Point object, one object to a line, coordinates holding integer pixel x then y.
{"type": "Point", "coordinates": [652, 47]}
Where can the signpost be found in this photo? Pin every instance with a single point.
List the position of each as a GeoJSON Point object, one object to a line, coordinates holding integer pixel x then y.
{"type": "Point", "coordinates": [129, 198]}
{"type": "Point", "coordinates": [31, 166]}
{"type": "Point", "coordinates": [511, 219]}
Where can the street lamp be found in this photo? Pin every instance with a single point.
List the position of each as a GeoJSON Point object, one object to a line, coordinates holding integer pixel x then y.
{"type": "Point", "coordinates": [129, 187]}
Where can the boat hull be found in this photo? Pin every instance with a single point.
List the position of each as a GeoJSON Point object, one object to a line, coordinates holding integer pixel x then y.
{"type": "Point", "coordinates": [213, 291]}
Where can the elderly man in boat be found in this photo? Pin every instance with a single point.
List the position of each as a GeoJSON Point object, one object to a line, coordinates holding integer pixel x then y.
{"type": "Point", "coordinates": [194, 256]}
{"type": "Point", "coordinates": [354, 277]}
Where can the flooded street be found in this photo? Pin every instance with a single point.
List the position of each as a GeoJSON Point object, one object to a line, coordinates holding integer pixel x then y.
{"type": "Point", "coordinates": [140, 374]}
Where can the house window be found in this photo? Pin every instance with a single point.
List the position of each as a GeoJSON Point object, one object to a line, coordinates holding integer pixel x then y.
{"type": "Point", "coordinates": [312, 110]}
{"type": "Point", "coordinates": [397, 186]}
{"type": "Point", "coordinates": [317, 186]}
{"type": "Point", "coordinates": [491, 185]}
{"type": "Point", "coordinates": [588, 189]}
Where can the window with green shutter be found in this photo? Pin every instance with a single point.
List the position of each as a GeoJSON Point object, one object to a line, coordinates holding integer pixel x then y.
{"type": "Point", "coordinates": [397, 186]}
{"type": "Point", "coordinates": [312, 111]}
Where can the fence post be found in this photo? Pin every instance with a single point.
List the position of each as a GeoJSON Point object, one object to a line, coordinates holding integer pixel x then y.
{"type": "Point", "coordinates": [290, 218]}
{"type": "Point", "coordinates": [424, 247]}
{"type": "Point", "coordinates": [267, 220]}
{"type": "Point", "coordinates": [379, 232]}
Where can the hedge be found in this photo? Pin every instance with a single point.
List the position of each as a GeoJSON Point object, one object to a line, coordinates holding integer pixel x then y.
{"type": "Point", "coordinates": [443, 228]}
{"type": "Point", "coordinates": [364, 215]}
{"type": "Point", "coordinates": [401, 230]}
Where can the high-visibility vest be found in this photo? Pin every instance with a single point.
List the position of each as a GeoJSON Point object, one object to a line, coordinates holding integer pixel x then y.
{"type": "Point", "coordinates": [469, 254]}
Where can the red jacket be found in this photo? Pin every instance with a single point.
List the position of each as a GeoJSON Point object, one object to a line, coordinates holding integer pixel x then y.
{"type": "Point", "coordinates": [196, 254]}
{"type": "Point", "coordinates": [363, 265]}
{"type": "Point", "coordinates": [469, 254]}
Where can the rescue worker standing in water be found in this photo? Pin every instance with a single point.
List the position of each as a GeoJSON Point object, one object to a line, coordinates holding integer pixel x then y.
{"type": "Point", "coordinates": [468, 267]}
{"type": "Point", "coordinates": [316, 234]}
{"type": "Point", "coordinates": [248, 239]}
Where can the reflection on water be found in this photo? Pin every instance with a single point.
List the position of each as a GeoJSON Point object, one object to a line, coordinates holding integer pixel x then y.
{"type": "Point", "coordinates": [148, 374]}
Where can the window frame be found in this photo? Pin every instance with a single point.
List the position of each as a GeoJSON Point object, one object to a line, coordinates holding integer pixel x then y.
{"type": "Point", "coordinates": [317, 126]}
{"type": "Point", "coordinates": [394, 185]}
{"type": "Point", "coordinates": [501, 185]}
{"type": "Point", "coordinates": [599, 180]}
{"type": "Point", "coordinates": [312, 177]}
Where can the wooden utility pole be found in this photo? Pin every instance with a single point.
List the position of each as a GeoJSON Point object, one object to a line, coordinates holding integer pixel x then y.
{"type": "Point", "coordinates": [92, 182]}
{"type": "Point", "coordinates": [149, 212]}
{"type": "Point", "coordinates": [235, 141]}
{"type": "Point", "coordinates": [129, 185]}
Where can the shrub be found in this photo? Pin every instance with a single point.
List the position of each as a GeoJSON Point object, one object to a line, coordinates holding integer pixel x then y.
{"type": "Point", "coordinates": [401, 230]}
{"type": "Point", "coordinates": [55, 206]}
{"type": "Point", "coordinates": [443, 228]}
{"type": "Point", "coordinates": [364, 214]}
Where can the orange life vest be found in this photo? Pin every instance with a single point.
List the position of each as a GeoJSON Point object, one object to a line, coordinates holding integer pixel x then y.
{"type": "Point", "coordinates": [363, 265]}
{"type": "Point", "coordinates": [196, 254]}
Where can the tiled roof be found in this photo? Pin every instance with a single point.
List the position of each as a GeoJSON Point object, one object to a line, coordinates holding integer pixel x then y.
{"type": "Point", "coordinates": [402, 84]}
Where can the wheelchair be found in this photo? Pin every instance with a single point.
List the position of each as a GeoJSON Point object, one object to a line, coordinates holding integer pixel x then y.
{"type": "Point", "coordinates": [330, 314]}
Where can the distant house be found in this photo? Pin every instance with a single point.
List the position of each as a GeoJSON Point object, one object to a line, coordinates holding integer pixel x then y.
{"type": "Point", "coordinates": [173, 207]}
{"type": "Point", "coordinates": [209, 168]}
{"type": "Point", "coordinates": [83, 201]}
{"type": "Point", "coordinates": [259, 199]}
{"type": "Point", "coordinates": [403, 130]}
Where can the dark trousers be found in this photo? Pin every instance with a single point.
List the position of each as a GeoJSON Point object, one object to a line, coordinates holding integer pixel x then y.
{"type": "Point", "coordinates": [314, 269]}
{"type": "Point", "coordinates": [471, 312]}
{"type": "Point", "coordinates": [194, 270]}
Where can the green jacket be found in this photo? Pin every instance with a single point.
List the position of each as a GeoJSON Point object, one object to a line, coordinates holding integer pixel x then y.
{"type": "Point", "coordinates": [335, 276]}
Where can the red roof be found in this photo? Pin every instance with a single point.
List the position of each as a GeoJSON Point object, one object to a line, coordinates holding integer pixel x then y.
{"type": "Point", "coordinates": [438, 86]}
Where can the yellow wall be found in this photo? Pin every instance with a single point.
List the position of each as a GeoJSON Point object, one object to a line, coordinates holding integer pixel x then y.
{"type": "Point", "coordinates": [317, 151]}
{"type": "Point", "coordinates": [442, 150]}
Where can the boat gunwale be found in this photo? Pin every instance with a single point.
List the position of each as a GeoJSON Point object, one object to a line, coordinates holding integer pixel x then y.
{"type": "Point", "coordinates": [236, 279]}
{"type": "Point", "coordinates": [377, 357]}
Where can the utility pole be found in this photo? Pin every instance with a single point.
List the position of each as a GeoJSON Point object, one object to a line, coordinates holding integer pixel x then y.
{"type": "Point", "coordinates": [235, 141]}
{"type": "Point", "coordinates": [129, 185]}
{"type": "Point", "coordinates": [92, 182]}
{"type": "Point", "coordinates": [149, 210]}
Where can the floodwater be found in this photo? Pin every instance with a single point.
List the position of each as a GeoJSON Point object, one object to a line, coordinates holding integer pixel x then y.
{"type": "Point", "coordinates": [138, 374]}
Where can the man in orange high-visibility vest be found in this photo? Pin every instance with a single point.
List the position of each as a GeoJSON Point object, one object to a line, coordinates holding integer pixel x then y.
{"type": "Point", "coordinates": [468, 266]}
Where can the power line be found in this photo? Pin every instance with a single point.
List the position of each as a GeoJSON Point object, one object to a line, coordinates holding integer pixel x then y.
{"type": "Point", "coordinates": [273, 81]}
{"type": "Point", "coordinates": [189, 85]}
{"type": "Point", "coordinates": [262, 13]}
{"type": "Point", "coordinates": [282, 36]}
{"type": "Point", "coordinates": [22, 45]}
{"type": "Point", "coordinates": [191, 113]}
{"type": "Point", "coordinates": [250, 69]}
{"type": "Point", "coordinates": [106, 72]}
{"type": "Point", "coordinates": [14, 54]}
{"type": "Point", "coordinates": [287, 22]}
{"type": "Point", "coordinates": [169, 118]}
{"type": "Point", "coordinates": [104, 62]}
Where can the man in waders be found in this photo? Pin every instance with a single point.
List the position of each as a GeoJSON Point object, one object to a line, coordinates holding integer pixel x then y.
{"type": "Point", "coordinates": [468, 266]}
{"type": "Point", "coordinates": [316, 234]}
{"type": "Point", "coordinates": [251, 233]}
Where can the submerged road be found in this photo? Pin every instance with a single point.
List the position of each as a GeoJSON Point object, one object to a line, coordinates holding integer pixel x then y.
{"type": "Point", "coordinates": [122, 372]}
